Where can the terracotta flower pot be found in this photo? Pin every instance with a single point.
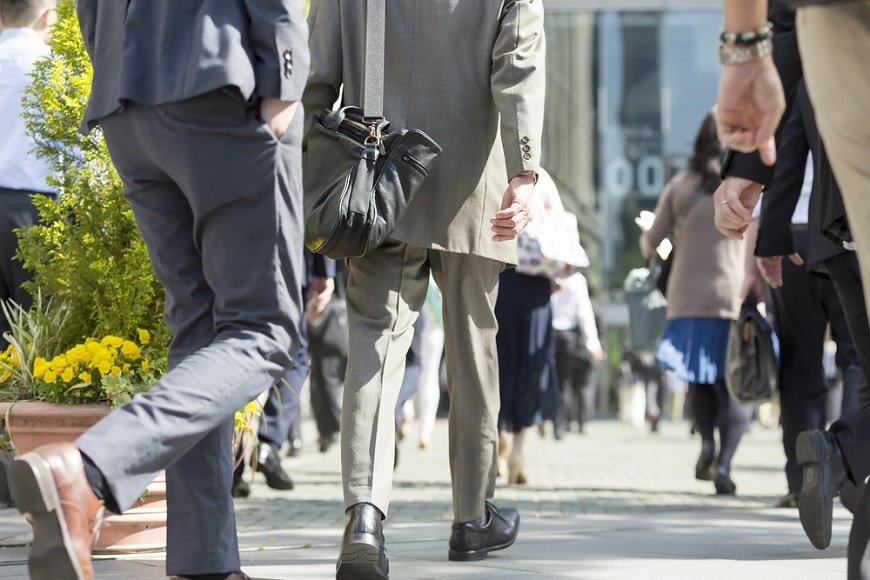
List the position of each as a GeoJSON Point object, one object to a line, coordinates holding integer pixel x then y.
{"type": "Point", "coordinates": [31, 424]}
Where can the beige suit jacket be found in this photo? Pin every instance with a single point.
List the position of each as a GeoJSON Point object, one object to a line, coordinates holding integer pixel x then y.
{"type": "Point", "coordinates": [470, 73]}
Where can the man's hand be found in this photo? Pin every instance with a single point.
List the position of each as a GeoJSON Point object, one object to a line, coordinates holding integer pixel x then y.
{"type": "Point", "coordinates": [515, 212]}
{"type": "Point", "coordinates": [749, 107]}
{"type": "Point", "coordinates": [735, 198]}
{"type": "Point", "coordinates": [277, 114]}
{"type": "Point", "coordinates": [320, 291]}
{"type": "Point", "coordinates": [771, 268]}
{"type": "Point", "coordinates": [751, 283]}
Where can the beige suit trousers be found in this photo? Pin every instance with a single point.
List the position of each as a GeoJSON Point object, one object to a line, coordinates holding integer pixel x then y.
{"type": "Point", "coordinates": [835, 49]}
{"type": "Point", "coordinates": [385, 292]}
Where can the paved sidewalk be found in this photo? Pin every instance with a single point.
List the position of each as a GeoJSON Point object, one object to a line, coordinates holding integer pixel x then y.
{"type": "Point", "coordinates": [615, 503]}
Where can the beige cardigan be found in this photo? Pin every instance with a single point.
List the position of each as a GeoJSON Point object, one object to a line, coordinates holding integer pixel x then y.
{"type": "Point", "coordinates": [707, 273]}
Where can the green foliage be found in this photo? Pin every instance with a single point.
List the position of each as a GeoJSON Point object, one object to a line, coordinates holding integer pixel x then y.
{"type": "Point", "coordinates": [87, 252]}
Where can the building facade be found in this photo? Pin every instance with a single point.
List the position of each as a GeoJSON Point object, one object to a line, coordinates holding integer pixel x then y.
{"type": "Point", "coordinates": [628, 83]}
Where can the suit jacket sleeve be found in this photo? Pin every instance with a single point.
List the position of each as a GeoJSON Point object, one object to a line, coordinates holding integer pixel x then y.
{"type": "Point", "coordinates": [788, 63]}
{"type": "Point", "coordinates": [777, 207]}
{"type": "Point", "coordinates": [279, 43]}
{"type": "Point", "coordinates": [517, 83]}
{"type": "Point", "coordinates": [325, 75]}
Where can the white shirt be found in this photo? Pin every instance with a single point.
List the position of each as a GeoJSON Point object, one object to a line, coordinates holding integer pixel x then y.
{"type": "Point", "coordinates": [19, 166]}
{"type": "Point", "coordinates": [572, 308]}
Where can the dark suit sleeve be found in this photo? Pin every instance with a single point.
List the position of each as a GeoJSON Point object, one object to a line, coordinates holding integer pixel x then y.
{"type": "Point", "coordinates": [777, 207]}
{"type": "Point", "coordinates": [279, 41]}
{"type": "Point", "coordinates": [788, 63]}
{"type": "Point", "coordinates": [86, 10]}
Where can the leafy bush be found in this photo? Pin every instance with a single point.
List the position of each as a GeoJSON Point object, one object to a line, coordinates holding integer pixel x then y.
{"type": "Point", "coordinates": [86, 253]}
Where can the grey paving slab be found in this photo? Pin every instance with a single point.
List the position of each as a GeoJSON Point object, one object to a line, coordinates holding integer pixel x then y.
{"type": "Point", "coordinates": [616, 503]}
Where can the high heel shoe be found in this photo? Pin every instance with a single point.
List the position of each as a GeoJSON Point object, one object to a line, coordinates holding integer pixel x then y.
{"type": "Point", "coordinates": [515, 471]}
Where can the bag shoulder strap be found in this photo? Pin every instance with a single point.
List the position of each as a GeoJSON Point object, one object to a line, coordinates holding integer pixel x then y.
{"type": "Point", "coordinates": [373, 80]}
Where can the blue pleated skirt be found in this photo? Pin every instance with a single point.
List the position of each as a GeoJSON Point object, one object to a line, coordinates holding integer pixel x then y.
{"type": "Point", "coordinates": [694, 348]}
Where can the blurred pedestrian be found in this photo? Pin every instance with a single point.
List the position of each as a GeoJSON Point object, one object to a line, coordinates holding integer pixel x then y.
{"type": "Point", "coordinates": [704, 296]}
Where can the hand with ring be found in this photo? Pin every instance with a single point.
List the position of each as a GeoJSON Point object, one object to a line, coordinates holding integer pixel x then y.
{"type": "Point", "coordinates": [735, 199]}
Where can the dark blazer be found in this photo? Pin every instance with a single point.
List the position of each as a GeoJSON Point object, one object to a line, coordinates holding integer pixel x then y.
{"type": "Point", "coordinates": [154, 52]}
{"type": "Point", "coordinates": [787, 59]}
{"type": "Point", "coordinates": [800, 136]}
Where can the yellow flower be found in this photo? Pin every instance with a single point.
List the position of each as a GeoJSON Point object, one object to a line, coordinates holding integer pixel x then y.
{"type": "Point", "coordinates": [67, 375]}
{"type": "Point", "coordinates": [50, 377]}
{"type": "Point", "coordinates": [5, 376]}
{"type": "Point", "coordinates": [116, 371]}
{"type": "Point", "coordinates": [85, 377]}
{"type": "Point", "coordinates": [40, 365]}
{"type": "Point", "coordinates": [146, 365]}
{"type": "Point", "coordinates": [144, 336]}
{"type": "Point", "coordinates": [59, 363]}
{"type": "Point", "coordinates": [112, 341]}
{"type": "Point", "coordinates": [130, 350]}
{"type": "Point", "coordinates": [77, 355]}
{"type": "Point", "coordinates": [104, 367]}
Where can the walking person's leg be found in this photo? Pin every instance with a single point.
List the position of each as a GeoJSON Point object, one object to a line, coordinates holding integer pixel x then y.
{"type": "Point", "coordinates": [469, 287]}
{"type": "Point", "coordinates": [224, 243]}
{"type": "Point", "coordinates": [385, 292]}
{"type": "Point", "coordinates": [732, 421]}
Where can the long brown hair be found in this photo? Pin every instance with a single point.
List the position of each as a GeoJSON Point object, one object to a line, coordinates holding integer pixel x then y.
{"type": "Point", "coordinates": [707, 156]}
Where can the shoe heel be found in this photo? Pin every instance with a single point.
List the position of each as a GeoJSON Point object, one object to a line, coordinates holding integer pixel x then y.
{"type": "Point", "coordinates": [808, 449]}
{"type": "Point", "coordinates": [359, 561]}
{"type": "Point", "coordinates": [30, 483]}
{"type": "Point", "coordinates": [33, 490]}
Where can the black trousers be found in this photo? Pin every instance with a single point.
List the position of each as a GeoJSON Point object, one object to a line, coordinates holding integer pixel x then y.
{"type": "Point", "coordinates": [328, 347]}
{"type": "Point", "coordinates": [804, 305]}
{"type": "Point", "coordinates": [282, 406]}
{"type": "Point", "coordinates": [16, 211]}
{"type": "Point", "coordinates": [575, 372]}
{"type": "Point", "coordinates": [853, 430]}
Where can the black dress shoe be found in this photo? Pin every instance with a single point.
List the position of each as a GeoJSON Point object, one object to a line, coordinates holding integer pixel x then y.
{"type": "Point", "coordinates": [363, 556]}
{"type": "Point", "coordinates": [823, 474]}
{"type": "Point", "coordinates": [326, 442]}
{"type": "Point", "coordinates": [472, 541]}
{"type": "Point", "coordinates": [240, 489]}
{"type": "Point", "coordinates": [269, 464]}
{"type": "Point", "coordinates": [724, 484]}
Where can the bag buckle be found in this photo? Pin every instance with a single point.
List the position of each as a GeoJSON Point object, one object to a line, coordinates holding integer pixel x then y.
{"type": "Point", "coordinates": [375, 128]}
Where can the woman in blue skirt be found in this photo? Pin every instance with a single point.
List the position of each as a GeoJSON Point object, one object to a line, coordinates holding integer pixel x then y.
{"type": "Point", "coordinates": [704, 296]}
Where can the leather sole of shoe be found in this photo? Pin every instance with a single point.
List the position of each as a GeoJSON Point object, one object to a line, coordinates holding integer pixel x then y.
{"type": "Point", "coordinates": [360, 562]}
{"type": "Point", "coordinates": [35, 492]}
{"type": "Point", "coordinates": [815, 515]}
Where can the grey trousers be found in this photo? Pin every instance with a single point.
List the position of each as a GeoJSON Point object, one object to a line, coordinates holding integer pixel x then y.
{"type": "Point", "coordinates": [218, 201]}
{"type": "Point", "coordinates": [385, 292]}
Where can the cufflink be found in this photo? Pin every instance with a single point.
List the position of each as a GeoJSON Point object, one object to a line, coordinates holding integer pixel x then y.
{"type": "Point", "coordinates": [288, 63]}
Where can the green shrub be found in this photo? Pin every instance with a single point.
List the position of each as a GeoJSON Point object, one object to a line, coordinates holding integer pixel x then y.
{"type": "Point", "coordinates": [87, 252]}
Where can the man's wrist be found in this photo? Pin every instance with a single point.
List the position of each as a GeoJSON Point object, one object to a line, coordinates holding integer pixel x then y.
{"type": "Point", "coordinates": [527, 177]}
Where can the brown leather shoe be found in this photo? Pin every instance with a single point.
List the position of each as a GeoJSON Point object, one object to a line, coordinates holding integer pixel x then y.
{"type": "Point", "coordinates": [49, 484]}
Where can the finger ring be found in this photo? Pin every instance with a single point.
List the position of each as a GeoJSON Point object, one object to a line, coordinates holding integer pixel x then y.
{"type": "Point", "coordinates": [723, 203]}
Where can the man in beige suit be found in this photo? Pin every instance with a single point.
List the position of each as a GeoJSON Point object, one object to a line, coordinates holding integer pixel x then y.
{"type": "Point", "coordinates": [471, 75]}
